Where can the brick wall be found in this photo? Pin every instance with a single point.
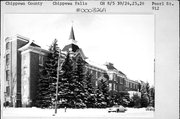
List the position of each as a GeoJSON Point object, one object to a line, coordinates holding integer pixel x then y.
{"type": "Point", "coordinates": [34, 75]}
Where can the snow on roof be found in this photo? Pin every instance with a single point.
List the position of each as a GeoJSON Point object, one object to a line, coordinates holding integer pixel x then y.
{"type": "Point", "coordinates": [22, 37]}
{"type": "Point", "coordinates": [130, 80]}
{"type": "Point", "coordinates": [103, 67]}
{"type": "Point", "coordinates": [33, 45]}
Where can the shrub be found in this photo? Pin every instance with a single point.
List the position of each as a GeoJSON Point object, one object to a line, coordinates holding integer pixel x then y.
{"type": "Point", "coordinates": [137, 101]}
{"type": "Point", "coordinates": [144, 100]}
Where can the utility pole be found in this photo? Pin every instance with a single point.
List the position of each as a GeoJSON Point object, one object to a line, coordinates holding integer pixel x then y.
{"type": "Point", "coordinates": [58, 69]}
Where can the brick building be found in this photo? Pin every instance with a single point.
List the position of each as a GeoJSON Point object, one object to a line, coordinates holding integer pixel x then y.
{"type": "Point", "coordinates": [32, 58]}
{"type": "Point", "coordinates": [12, 81]}
{"type": "Point", "coordinates": [24, 60]}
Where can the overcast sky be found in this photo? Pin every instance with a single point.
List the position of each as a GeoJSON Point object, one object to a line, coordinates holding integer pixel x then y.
{"type": "Point", "coordinates": [125, 40]}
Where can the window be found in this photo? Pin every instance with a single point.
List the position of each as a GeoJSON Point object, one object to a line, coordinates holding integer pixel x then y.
{"type": "Point", "coordinates": [7, 46]}
{"type": "Point", "coordinates": [114, 77]}
{"type": "Point", "coordinates": [96, 83]}
{"type": "Point", "coordinates": [111, 77]}
{"type": "Point", "coordinates": [7, 90]}
{"type": "Point", "coordinates": [40, 60]}
{"type": "Point", "coordinates": [7, 59]}
{"type": "Point", "coordinates": [126, 83]}
{"type": "Point", "coordinates": [7, 75]}
{"type": "Point", "coordinates": [94, 73]}
{"type": "Point", "coordinates": [97, 74]}
{"type": "Point", "coordinates": [129, 85]}
{"type": "Point", "coordinates": [132, 85]}
{"type": "Point", "coordinates": [110, 86]}
{"type": "Point", "coordinates": [114, 86]}
{"type": "Point", "coordinates": [121, 80]}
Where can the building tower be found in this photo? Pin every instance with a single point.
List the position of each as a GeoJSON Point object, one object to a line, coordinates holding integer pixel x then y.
{"type": "Point", "coordinates": [12, 82]}
{"type": "Point", "coordinates": [23, 59]}
{"type": "Point", "coordinates": [72, 43]}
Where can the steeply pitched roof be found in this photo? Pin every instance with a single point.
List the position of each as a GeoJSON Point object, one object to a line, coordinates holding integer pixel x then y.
{"type": "Point", "coordinates": [34, 45]}
{"type": "Point", "coordinates": [72, 36]}
{"type": "Point", "coordinates": [121, 72]}
{"type": "Point", "coordinates": [73, 47]}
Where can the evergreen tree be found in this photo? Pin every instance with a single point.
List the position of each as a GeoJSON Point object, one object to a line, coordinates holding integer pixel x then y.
{"type": "Point", "coordinates": [152, 96]}
{"type": "Point", "coordinates": [145, 97]}
{"type": "Point", "coordinates": [43, 99]}
{"type": "Point", "coordinates": [66, 84]}
{"type": "Point", "coordinates": [148, 91]}
{"type": "Point", "coordinates": [79, 82]}
{"type": "Point", "coordinates": [46, 82]}
{"type": "Point", "coordinates": [99, 98]}
{"type": "Point", "coordinates": [51, 67]}
{"type": "Point", "coordinates": [101, 94]}
{"type": "Point", "coordinates": [122, 98]}
{"type": "Point", "coordinates": [90, 100]}
{"type": "Point", "coordinates": [105, 92]}
{"type": "Point", "coordinates": [136, 100]}
{"type": "Point", "coordinates": [113, 99]}
{"type": "Point", "coordinates": [72, 85]}
{"type": "Point", "coordinates": [144, 100]}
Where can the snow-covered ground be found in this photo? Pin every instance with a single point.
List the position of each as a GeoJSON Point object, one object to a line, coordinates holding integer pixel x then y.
{"type": "Point", "coordinates": [36, 112]}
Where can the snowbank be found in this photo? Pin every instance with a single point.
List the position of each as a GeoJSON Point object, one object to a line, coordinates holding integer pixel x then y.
{"type": "Point", "coordinates": [36, 112]}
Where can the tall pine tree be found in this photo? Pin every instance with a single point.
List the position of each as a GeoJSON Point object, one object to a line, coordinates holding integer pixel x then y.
{"type": "Point", "coordinates": [102, 94]}
{"type": "Point", "coordinates": [99, 98]}
{"type": "Point", "coordinates": [79, 82]}
{"type": "Point", "coordinates": [43, 99]}
{"type": "Point", "coordinates": [72, 85]}
{"type": "Point", "coordinates": [105, 92]}
{"type": "Point", "coordinates": [90, 91]}
{"type": "Point", "coordinates": [66, 88]}
{"type": "Point", "coordinates": [46, 83]}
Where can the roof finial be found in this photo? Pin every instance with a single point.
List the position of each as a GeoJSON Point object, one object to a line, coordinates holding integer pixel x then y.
{"type": "Point", "coordinates": [72, 37]}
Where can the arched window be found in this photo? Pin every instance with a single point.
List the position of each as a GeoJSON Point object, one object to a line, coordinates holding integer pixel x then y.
{"type": "Point", "coordinates": [7, 75]}
{"type": "Point", "coordinates": [7, 46]}
{"type": "Point", "coordinates": [7, 59]}
{"type": "Point", "coordinates": [41, 60]}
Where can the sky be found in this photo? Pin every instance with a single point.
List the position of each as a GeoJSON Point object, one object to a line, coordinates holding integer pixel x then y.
{"type": "Point", "coordinates": [126, 40]}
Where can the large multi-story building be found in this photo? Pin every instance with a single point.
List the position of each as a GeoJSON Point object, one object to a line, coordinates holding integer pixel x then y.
{"type": "Point", "coordinates": [13, 68]}
{"type": "Point", "coordinates": [24, 59]}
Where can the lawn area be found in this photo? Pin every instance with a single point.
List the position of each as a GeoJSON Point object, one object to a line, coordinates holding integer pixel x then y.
{"type": "Point", "coordinates": [36, 112]}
